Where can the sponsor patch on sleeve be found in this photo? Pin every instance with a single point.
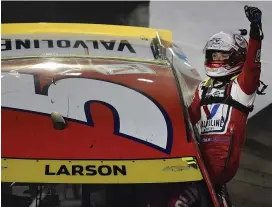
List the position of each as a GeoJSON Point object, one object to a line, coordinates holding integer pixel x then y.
{"type": "Point", "coordinates": [258, 56]}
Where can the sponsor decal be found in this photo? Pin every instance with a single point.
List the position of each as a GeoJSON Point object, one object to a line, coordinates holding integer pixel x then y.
{"type": "Point", "coordinates": [215, 43]}
{"type": "Point", "coordinates": [88, 170]}
{"type": "Point", "coordinates": [240, 41]}
{"type": "Point", "coordinates": [258, 56]}
{"type": "Point", "coordinates": [56, 45]}
{"type": "Point", "coordinates": [19, 44]}
{"type": "Point", "coordinates": [219, 119]}
{"type": "Point", "coordinates": [101, 171]}
{"type": "Point", "coordinates": [212, 123]}
{"type": "Point", "coordinates": [212, 139]}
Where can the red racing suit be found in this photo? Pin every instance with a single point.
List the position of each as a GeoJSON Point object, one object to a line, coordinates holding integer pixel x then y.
{"type": "Point", "coordinates": [223, 111]}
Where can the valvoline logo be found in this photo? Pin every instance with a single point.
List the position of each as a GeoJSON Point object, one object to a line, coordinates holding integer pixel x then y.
{"type": "Point", "coordinates": [214, 110]}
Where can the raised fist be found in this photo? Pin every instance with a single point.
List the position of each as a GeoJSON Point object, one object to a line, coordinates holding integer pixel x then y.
{"type": "Point", "coordinates": [253, 14]}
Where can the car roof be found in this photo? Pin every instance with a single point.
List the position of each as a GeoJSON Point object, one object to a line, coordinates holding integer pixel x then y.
{"type": "Point", "coordinates": [45, 39]}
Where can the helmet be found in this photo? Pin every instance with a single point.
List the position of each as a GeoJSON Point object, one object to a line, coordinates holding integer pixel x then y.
{"type": "Point", "coordinates": [225, 54]}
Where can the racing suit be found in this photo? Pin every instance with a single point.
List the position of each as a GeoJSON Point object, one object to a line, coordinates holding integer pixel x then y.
{"type": "Point", "coordinates": [222, 108]}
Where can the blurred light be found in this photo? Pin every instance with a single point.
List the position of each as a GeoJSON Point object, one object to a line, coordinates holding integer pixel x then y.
{"type": "Point", "coordinates": [187, 64]}
{"type": "Point", "coordinates": [146, 80]}
{"type": "Point", "coordinates": [72, 73]}
{"type": "Point", "coordinates": [48, 65]}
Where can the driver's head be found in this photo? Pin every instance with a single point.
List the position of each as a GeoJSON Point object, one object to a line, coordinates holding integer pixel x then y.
{"type": "Point", "coordinates": [225, 54]}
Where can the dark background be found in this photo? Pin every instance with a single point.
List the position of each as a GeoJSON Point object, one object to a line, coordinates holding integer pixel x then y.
{"type": "Point", "coordinates": [134, 13]}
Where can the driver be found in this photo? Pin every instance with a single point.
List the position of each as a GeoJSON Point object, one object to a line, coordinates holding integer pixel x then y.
{"type": "Point", "coordinates": [222, 103]}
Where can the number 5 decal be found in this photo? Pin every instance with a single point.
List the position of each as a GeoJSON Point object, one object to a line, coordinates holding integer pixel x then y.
{"type": "Point", "coordinates": [136, 115]}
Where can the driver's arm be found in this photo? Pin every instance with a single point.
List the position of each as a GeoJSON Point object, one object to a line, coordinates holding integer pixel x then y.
{"type": "Point", "coordinates": [248, 80]}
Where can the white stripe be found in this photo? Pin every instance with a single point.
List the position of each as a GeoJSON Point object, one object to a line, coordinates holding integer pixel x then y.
{"type": "Point", "coordinates": [238, 95]}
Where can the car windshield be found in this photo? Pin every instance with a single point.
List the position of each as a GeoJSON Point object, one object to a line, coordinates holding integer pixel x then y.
{"type": "Point", "coordinates": [74, 66]}
{"type": "Point", "coordinates": [103, 195]}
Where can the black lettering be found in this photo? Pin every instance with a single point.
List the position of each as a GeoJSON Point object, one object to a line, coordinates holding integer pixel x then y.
{"type": "Point", "coordinates": [103, 170]}
{"type": "Point", "coordinates": [208, 123]}
{"type": "Point", "coordinates": [222, 122]}
{"type": "Point", "coordinates": [7, 45]}
{"type": "Point", "coordinates": [36, 44]}
{"type": "Point", "coordinates": [90, 170]}
{"type": "Point", "coordinates": [109, 45]}
{"type": "Point", "coordinates": [50, 43]}
{"type": "Point", "coordinates": [47, 170]}
{"type": "Point", "coordinates": [212, 122]}
{"type": "Point", "coordinates": [63, 170]}
{"type": "Point", "coordinates": [107, 170]}
{"type": "Point", "coordinates": [80, 42]}
{"type": "Point", "coordinates": [63, 43]}
{"type": "Point", "coordinates": [95, 43]}
{"type": "Point", "coordinates": [20, 43]}
{"type": "Point", "coordinates": [203, 124]}
{"type": "Point", "coordinates": [217, 122]}
{"type": "Point", "coordinates": [117, 169]}
{"type": "Point", "coordinates": [77, 169]}
{"type": "Point", "coordinates": [124, 43]}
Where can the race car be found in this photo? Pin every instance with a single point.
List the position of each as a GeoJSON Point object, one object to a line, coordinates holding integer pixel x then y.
{"type": "Point", "coordinates": [96, 115]}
